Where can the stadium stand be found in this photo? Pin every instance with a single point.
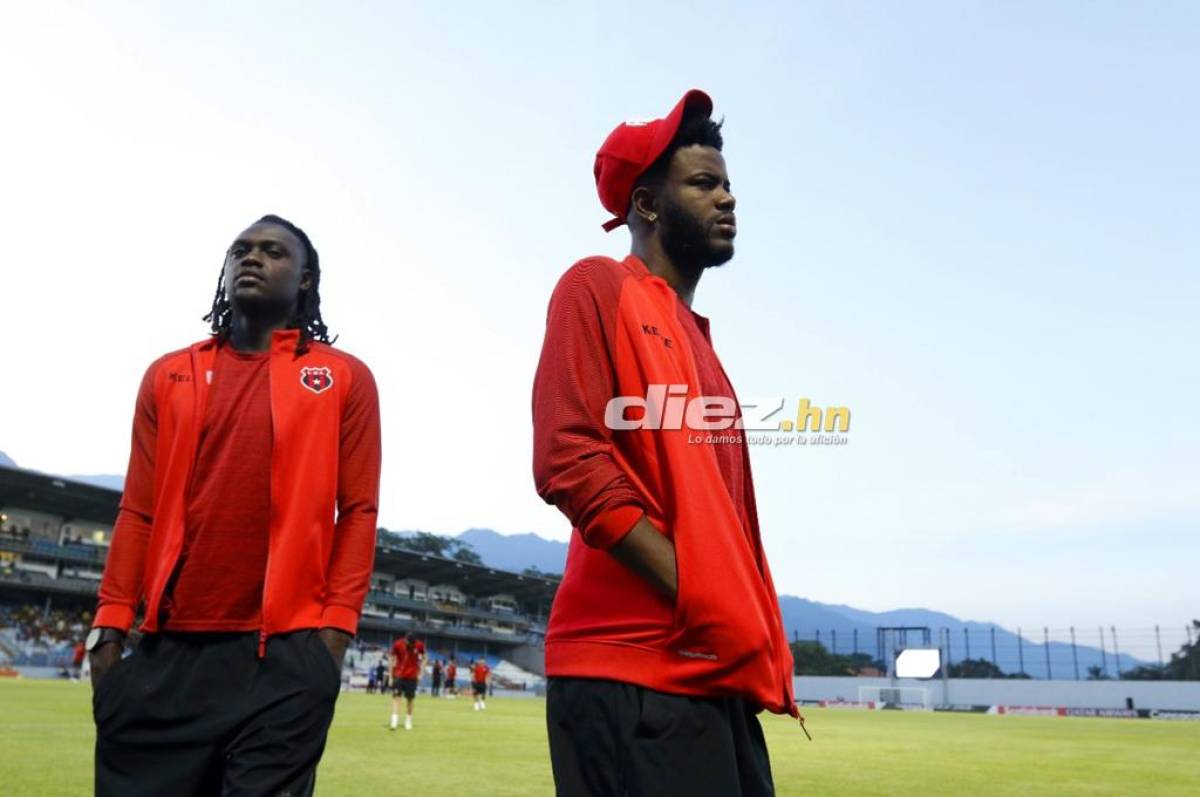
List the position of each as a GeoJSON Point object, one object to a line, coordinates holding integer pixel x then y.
{"type": "Point", "coordinates": [54, 537]}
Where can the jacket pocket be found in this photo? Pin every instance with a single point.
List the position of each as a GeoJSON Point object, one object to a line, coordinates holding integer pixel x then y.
{"type": "Point", "coordinates": [107, 685]}
{"type": "Point", "coordinates": [326, 664]}
{"type": "Point", "coordinates": [718, 615]}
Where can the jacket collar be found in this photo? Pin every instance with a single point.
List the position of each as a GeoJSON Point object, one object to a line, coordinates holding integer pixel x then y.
{"type": "Point", "coordinates": [643, 272]}
{"type": "Point", "coordinates": [282, 341]}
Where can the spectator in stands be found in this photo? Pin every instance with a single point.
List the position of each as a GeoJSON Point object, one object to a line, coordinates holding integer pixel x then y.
{"type": "Point", "coordinates": [249, 510]}
{"type": "Point", "coordinates": [665, 637]}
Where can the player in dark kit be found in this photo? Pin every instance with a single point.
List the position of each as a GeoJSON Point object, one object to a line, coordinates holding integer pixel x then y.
{"type": "Point", "coordinates": [381, 676]}
{"type": "Point", "coordinates": [665, 638]}
{"type": "Point", "coordinates": [408, 661]}
{"type": "Point", "coordinates": [437, 678]}
{"type": "Point", "coordinates": [452, 678]}
{"type": "Point", "coordinates": [481, 675]}
{"type": "Point", "coordinates": [245, 537]}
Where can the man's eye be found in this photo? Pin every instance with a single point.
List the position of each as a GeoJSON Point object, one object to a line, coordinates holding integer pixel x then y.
{"type": "Point", "coordinates": [237, 251]}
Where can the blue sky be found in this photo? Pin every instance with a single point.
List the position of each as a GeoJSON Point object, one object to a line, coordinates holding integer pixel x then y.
{"type": "Point", "coordinates": [973, 224]}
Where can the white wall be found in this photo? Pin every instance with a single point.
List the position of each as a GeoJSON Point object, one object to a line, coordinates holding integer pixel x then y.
{"type": "Point", "coordinates": [87, 530]}
{"type": "Point", "coordinates": [37, 566]}
{"type": "Point", "coordinates": [420, 591]}
{"type": "Point", "coordinates": [1179, 695]}
{"type": "Point", "coordinates": [446, 593]}
{"type": "Point", "coordinates": [40, 524]}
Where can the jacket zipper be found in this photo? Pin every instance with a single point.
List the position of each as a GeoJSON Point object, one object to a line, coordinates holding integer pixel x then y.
{"type": "Point", "coordinates": [262, 632]}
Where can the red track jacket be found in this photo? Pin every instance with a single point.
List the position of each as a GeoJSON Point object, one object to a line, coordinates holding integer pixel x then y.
{"type": "Point", "coordinates": [614, 325]}
{"type": "Point", "coordinates": [318, 567]}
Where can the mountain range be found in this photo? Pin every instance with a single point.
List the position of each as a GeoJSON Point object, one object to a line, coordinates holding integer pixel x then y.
{"type": "Point", "coordinates": [107, 481]}
{"type": "Point", "coordinates": [840, 627]}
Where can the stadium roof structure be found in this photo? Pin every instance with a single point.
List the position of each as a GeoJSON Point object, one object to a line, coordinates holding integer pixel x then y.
{"type": "Point", "coordinates": [54, 495]}
{"type": "Point", "coordinates": [473, 579]}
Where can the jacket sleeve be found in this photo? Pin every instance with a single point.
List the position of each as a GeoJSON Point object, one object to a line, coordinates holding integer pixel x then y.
{"type": "Point", "coordinates": [573, 464]}
{"type": "Point", "coordinates": [353, 557]}
{"type": "Point", "coordinates": [121, 586]}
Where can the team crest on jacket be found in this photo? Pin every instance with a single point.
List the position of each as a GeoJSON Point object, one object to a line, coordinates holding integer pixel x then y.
{"type": "Point", "coordinates": [318, 379]}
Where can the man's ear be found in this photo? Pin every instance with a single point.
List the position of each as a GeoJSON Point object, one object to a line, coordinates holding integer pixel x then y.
{"type": "Point", "coordinates": [306, 280]}
{"type": "Point", "coordinates": [644, 204]}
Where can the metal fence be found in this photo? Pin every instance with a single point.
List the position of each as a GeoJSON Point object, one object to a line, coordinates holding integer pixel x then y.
{"type": "Point", "coordinates": [1074, 652]}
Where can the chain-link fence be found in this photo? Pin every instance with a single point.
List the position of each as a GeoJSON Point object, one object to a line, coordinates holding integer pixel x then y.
{"type": "Point", "coordinates": [985, 651]}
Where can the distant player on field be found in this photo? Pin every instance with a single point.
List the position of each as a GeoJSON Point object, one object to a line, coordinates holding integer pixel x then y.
{"type": "Point", "coordinates": [408, 660]}
{"type": "Point", "coordinates": [381, 677]}
{"type": "Point", "coordinates": [436, 677]}
{"type": "Point", "coordinates": [78, 661]}
{"type": "Point", "coordinates": [452, 678]}
{"type": "Point", "coordinates": [481, 675]}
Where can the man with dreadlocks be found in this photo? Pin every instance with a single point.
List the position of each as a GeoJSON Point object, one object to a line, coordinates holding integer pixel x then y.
{"type": "Point", "coordinates": [246, 537]}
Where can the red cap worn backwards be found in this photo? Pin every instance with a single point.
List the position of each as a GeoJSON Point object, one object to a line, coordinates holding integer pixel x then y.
{"type": "Point", "coordinates": [632, 148]}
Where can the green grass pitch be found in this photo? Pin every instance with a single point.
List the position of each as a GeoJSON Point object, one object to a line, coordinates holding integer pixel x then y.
{"type": "Point", "coordinates": [46, 739]}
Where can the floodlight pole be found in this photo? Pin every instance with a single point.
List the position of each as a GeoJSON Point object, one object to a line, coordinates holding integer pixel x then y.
{"type": "Point", "coordinates": [1116, 652]}
{"type": "Point", "coordinates": [946, 671]}
{"type": "Point", "coordinates": [1158, 641]}
{"type": "Point", "coordinates": [1021, 650]}
{"type": "Point", "coordinates": [994, 664]}
{"type": "Point", "coordinates": [1074, 653]}
{"type": "Point", "coordinates": [966, 644]}
{"type": "Point", "coordinates": [1103, 654]}
{"type": "Point", "coordinates": [1046, 643]}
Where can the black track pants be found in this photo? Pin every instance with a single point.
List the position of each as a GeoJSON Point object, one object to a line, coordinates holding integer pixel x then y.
{"type": "Point", "coordinates": [612, 739]}
{"type": "Point", "coordinates": [201, 714]}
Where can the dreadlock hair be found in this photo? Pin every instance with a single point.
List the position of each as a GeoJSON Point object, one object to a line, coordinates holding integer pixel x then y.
{"type": "Point", "coordinates": [695, 128]}
{"type": "Point", "coordinates": [308, 314]}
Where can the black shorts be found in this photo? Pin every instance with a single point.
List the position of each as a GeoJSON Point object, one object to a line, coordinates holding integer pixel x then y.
{"type": "Point", "coordinates": [608, 737]}
{"type": "Point", "coordinates": [450, 684]}
{"type": "Point", "coordinates": [404, 687]}
{"type": "Point", "coordinates": [201, 713]}
{"type": "Point", "coordinates": [479, 688]}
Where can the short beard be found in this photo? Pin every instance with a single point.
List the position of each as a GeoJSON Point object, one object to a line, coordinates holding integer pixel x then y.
{"type": "Point", "coordinates": [686, 242]}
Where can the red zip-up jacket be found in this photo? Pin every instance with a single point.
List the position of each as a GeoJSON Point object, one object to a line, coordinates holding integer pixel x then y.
{"type": "Point", "coordinates": [613, 330]}
{"type": "Point", "coordinates": [321, 536]}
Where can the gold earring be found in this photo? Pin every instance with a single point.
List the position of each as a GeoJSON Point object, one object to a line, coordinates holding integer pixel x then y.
{"type": "Point", "coordinates": [653, 217]}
